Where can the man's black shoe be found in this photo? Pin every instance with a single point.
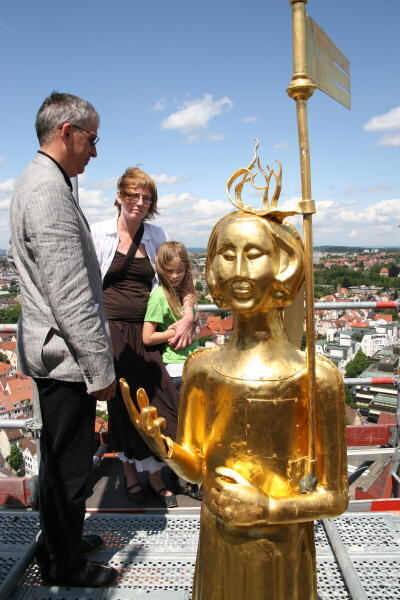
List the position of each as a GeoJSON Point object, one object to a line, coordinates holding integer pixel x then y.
{"type": "Point", "coordinates": [90, 543]}
{"type": "Point", "coordinates": [92, 575]}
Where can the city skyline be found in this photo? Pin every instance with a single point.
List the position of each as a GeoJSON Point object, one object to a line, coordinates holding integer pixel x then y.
{"type": "Point", "coordinates": [183, 89]}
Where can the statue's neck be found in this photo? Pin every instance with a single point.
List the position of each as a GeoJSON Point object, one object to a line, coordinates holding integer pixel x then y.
{"type": "Point", "coordinates": [261, 329]}
{"type": "Point", "coordinates": [259, 349]}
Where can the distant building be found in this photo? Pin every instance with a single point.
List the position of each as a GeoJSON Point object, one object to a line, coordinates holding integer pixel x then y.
{"type": "Point", "coordinates": [9, 438]}
{"type": "Point", "coordinates": [15, 396]}
{"type": "Point", "coordinates": [29, 452]}
{"type": "Point", "coordinates": [376, 398]}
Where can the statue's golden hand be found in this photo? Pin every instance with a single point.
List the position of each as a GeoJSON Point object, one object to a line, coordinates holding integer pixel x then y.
{"type": "Point", "coordinates": [237, 501]}
{"type": "Point", "coordinates": [147, 421]}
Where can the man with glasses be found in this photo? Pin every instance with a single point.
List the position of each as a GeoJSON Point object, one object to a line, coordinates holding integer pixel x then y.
{"type": "Point", "coordinates": [63, 337]}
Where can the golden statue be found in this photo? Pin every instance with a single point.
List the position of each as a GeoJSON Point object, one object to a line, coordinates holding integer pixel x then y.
{"type": "Point", "coordinates": [243, 428]}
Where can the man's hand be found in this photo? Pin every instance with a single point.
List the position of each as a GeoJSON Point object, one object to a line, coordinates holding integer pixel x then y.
{"type": "Point", "coordinates": [106, 393]}
{"type": "Point", "coordinates": [183, 333]}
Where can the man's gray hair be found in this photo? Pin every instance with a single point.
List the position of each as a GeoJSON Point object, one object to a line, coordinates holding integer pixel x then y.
{"type": "Point", "coordinates": [58, 109]}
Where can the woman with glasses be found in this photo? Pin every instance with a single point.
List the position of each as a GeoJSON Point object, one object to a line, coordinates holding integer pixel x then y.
{"type": "Point", "coordinates": [126, 247]}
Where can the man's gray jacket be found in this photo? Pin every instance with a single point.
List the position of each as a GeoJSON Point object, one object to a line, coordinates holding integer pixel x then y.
{"type": "Point", "coordinates": [62, 331]}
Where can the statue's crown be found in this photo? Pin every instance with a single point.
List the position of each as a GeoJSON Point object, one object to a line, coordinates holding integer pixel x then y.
{"type": "Point", "coordinates": [248, 174]}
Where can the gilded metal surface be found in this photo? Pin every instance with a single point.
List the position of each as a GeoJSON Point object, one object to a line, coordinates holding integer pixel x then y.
{"type": "Point", "coordinates": [327, 66]}
{"type": "Point", "coordinates": [243, 426]}
{"type": "Point", "coordinates": [300, 89]}
{"type": "Point", "coordinates": [307, 206]}
{"type": "Point", "coordinates": [248, 175]}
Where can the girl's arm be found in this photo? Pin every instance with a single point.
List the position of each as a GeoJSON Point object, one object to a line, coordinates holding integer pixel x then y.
{"type": "Point", "coordinates": [184, 327]}
{"type": "Point", "coordinates": [151, 336]}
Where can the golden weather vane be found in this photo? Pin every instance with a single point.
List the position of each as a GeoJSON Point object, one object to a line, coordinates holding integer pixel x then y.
{"type": "Point", "coordinates": [317, 63]}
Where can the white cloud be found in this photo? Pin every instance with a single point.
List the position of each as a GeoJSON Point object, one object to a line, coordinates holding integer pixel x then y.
{"type": "Point", "coordinates": [381, 212]}
{"type": "Point", "coordinates": [7, 185]}
{"type": "Point", "coordinates": [188, 218]}
{"type": "Point", "coordinates": [159, 105]}
{"type": "Point", "coordinates": [93, 198]}
{"type": "Point", "coordinates": [5, 203]}
{"type": "Point", "coordinates": [95, 205]}
{"type": "Point", "coordinates": [373, 225]}
{"type": "Point", "coordinates": [168, 179]}
{"type": "Point", "coordinates": [380, 187]}
{"type": "Point", "coordinates": [249, 119]}
{"type": "Point", "coordinates": [350, 190]}
{"type": "Point", "coordinates": [107, 184]}
{"type": "Point", "coordinates": [211, 208]}
{"type": "Point", "coordinates": [195, 115]}
{"type": "Point", "coordinates": [215, 137]}
{"type": "Point", "coordinates": [386, 122]}
{"type": "Point", "coordinates": [389, 121]}
{"type": "Point", "coordinates": [1, 159]}
{"type": "Point", "coordinates": [281, 146]}
{"type": "Point", "coordinates": [170, 200]}
{"type": "Point", "coordinates": [390, 140]}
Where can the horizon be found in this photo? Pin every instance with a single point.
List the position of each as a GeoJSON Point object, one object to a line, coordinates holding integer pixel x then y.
{"type": "Point", "coordinates": [189, 110]}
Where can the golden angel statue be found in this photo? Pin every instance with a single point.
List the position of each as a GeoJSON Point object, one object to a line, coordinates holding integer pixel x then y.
{"type": "Point", "coordinates": [243, 424]}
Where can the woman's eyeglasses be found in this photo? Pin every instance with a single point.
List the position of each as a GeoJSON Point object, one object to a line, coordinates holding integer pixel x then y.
{"type": "Point", "coordinates": [134, 199]}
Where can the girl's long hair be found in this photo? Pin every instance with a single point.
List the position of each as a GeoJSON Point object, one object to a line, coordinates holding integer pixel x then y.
{"type": "Point", "coordinates": [167, 252]}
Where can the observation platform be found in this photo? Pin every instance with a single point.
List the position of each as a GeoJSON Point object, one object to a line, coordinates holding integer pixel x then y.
{"type": "Point", "coordinates": [155, 553]}
{"type": "Point", "coordinates": [154, 550]}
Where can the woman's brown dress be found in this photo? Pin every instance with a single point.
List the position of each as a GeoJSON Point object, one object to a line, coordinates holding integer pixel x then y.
{"type": "Point", "coordinates": [125, 303]}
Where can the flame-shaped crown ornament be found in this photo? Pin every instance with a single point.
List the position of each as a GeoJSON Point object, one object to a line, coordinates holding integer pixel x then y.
{"type": "Point", "coordinates": [248, 174]}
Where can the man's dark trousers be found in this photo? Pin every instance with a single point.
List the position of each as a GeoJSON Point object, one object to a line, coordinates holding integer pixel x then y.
{"type": "Point", "coordinates": [66, 446]}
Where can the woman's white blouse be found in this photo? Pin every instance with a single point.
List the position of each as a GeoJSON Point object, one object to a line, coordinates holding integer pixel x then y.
{"type": "Point", "coordinates": [106, 239]}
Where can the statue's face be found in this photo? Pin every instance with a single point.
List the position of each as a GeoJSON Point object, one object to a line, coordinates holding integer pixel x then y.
{"type": "Point", "coordinates": [243, 266]}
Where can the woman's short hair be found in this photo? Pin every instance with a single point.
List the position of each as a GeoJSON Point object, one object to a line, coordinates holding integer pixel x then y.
{"type": "Point", "coordinates": [58, 109]}
{"type": "Point", "coordinates": [133, 177]}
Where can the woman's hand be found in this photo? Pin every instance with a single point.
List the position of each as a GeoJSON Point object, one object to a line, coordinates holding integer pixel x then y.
{"type": "Point", "coordinates": [183, 332]}
{"type": "Point", "coordinates": [237, 501]}
{"type": "Point", "coordinates": [147, 421]}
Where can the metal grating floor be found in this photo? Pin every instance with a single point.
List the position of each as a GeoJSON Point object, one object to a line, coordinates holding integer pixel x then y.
{"type": "Point", "coordinates": [155, 554]}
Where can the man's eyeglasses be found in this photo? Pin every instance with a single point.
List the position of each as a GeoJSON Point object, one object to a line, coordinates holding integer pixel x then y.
{"type": "Point", "coordinates": [134, 199]}
{"type": "Point", "coordinates": [92, 139]}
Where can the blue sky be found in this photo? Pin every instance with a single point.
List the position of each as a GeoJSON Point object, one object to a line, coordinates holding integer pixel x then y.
{"type": "Point", "coordinates": [183, 87]}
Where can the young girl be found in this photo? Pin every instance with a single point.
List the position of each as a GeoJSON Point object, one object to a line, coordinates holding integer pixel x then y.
{"type": "Point", "coordinates": [165, 307]}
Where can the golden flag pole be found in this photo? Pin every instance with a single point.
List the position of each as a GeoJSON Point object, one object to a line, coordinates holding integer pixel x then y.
{"type": "Point", "coordinates": [301, 89]}
{"type": "Point", "coordinates": [317, 63]}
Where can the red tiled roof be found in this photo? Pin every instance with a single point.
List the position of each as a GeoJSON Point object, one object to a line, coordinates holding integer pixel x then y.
{"type": "Point", "coordinates": [8, 345]}
{"type": "Point", "coordinates": [14, 390]}
{"type": "Point", "coordinates": [26, 443]}
{"type": "Point", "coordinates": [227, 323]}
{"type": "Point", "coordinates": [205, 332]}
{"type": "Point", "coordinates": [387, 419]}
{"type": "Point", "coordinates": [380, 316]}
{"type": "Point", "coordinates": [4, 368]}
{"type": "Point", "coordinates": [213, 322]}
{"type": "Point", "coordinates": [14, 434]}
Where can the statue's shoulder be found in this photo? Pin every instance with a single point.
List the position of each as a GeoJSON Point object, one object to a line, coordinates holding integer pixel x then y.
{"type": "Point", "coordinates": [326, 371]}
{"type": "Point", "coordinates": [198, 358]}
